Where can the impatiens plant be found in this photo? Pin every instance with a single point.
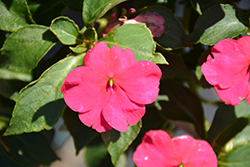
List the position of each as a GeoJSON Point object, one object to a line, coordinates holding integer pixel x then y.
{"type": "Point", "coordinates": [130, 81]}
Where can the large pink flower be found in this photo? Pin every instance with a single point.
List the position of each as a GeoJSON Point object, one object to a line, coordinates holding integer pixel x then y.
{"type": "Point", "coordinates": [158, 149]}
{"type": "Point", "coordinates": [228, 70]}
{"type": "Point", "coordinates": [111, 89]}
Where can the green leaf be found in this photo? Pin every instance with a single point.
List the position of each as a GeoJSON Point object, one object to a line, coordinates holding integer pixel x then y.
{"type": "Point", "coordinates": [183, 105]}
{"type": "Point", "coordinates": [31, 149]}
{"type": "Point", "coordinates": [217, 23]}
{"type": "Point", "coordinates": [225, 126]}
{"type": "Point", "coordinates": [40, 104]}
{"type": "Point", "coordinates": [14, 14]}
{"type": "Point", "coordinates": [75, 5]}
{"type": "Point", "coordinates": [243, 110]}
{"type": "Point", "coordinates": [30, 43]}
{"type": "Point", "coordinates": [81, 134]}
{"type": "Point", "coordinates": [44, 11]}
{"type": "Point", "coordinates": [6, 161]}
{"type": "Point", "coordinates": [174, 32]}
{"type": "Point", "coordinates": [66, 30]}
{"type": "Point", "coordinates": [11, 75]}
{"type": "Point", "coordinates": [201, 5]}
{"type": "Point", "coordinates": [176, 67]}
{"type": "Point", "coordinates": [93, 11]}
{"type": "Point", "coordinates": [140, 42]}
{"type": "Point", "coordinates": [96, 154]}
{"type": "Point", "coordinates": [238, 157]}
{"type": "Point", "coordinates": [117, 142]}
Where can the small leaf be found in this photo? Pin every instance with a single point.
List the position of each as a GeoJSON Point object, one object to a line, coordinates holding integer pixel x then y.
{"type": "Point", "coordinates": [217, 23]}
{"type": "Point", "coordinates": [117, 142]}
{"type": "Point", "coordinates": [66, 30]}
{"type": "Point", "coordinates": [45, 11]}
{"type": "Point", "coordinates": [40, 104]}
{"type": "Point", "coordinates": [81, 134]}
{"type": "Point", "coordinates": [140, 42]}
{"type": "Point", "coordinates": [31, 149]}
{"type": "Point", "coordinates": [14, 14]}
{"type": "Point", "coordinates": [183, 105]}
{"type": "Point", "coordinates": [93, 11]}
{"type": "Point", "coordinates": [31, 44]}
{"type": "Point", "coordinates": [174, 32]}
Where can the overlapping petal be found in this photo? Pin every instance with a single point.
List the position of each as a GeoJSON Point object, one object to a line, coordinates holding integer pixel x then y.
{"type": "Point", "coordinates": [194, 152]}
{"type": "Point", "coordinates": [120, 111]}
{"type": "Point", "coordinates": [141, 82]}
{"type": "Point", "coordinates": [109, 62]}
{"type": "Point", "coordinates": [82, 87]}
{"type": "Point", "coordinates": [158, 149]}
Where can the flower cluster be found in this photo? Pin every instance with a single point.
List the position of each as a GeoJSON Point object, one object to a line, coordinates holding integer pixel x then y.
{"type": "Point", "coordinates": [111, 89]}
{"type": "Point", "coordinates": [158, 149]}
{"type": "Point", "coordinates": [228, 69]}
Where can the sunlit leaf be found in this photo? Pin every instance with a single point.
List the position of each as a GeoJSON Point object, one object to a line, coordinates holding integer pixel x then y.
{"type": "Point", "coordinates": [24, 48]}
{"type": "Point", "coordinates": [40, 104]}
{"type": "Point", "coordinates": [140, 42]}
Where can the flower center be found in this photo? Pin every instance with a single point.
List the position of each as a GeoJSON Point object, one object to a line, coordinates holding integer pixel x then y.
{"type": "Point", "coordinates": [181, 165]}
{"type": "Point", "coordinates": [111, 82]}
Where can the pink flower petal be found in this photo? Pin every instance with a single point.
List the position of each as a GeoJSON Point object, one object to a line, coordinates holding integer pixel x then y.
{"type": "Point", "coordinates": [82, 87]}
{"type": "Point", "coordinates": [227, 63]}
{"type": "Point", "coordinates": [140, 82]}
{"type": "Point", "coordinates": [109, 62]}
{"type": "Point", "coordinates": [236, 93]}
{"type": "Point", "coordinates": [156, 149]}
{"type": "Point", "coordinates": [194, 152]}
{"type": "Point", "coordinates": [120, 111]}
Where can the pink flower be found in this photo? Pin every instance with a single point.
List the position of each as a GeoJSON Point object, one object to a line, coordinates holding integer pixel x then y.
{"type": "Point", "coordinates": [158, 149]}
{"type": "Point", "coordinates": [111, 89]}
{"type": "Point", "coordinates": [153, 20]}
{"type": "Point", "coordinates": [228, 70]}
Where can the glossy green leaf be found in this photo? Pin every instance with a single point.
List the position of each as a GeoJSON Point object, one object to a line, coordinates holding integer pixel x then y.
{"type": "Point", "coordinates": [30, 43]}
{"type": "Point", "coordinates": [174, 33]}
{"type": "Point", "coordinates": [243, 110]}
{"type": "Point", "coordinates": [118, 142]}
{"type": "Point", "coordinates": [75, 5]}
{"type": "Point", "coordinates": [40, 104]}
{"type": "Point", "coordinates": [44, 11]}
{"type": "Point", "coordinates": [81, 134]}
{"type": "Point", "coordinates": [14, 14]}
{"type": "Point", "coordinates": [217, 23]}
{"type": "Point", "coordinates": [183, 105]}
{"type": "Point", "coordinates": [238, 157]}
{"type": "Point", "coordinates": [31, 149]}
{"type": "Point", "coordinates": [225, 126]}
{"type": "Point", "coordinates": [66, 30]}
{"type": "Point", "coordinates": [140, 42]}
{"type": "Point", "coordinates": [93, 11]}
